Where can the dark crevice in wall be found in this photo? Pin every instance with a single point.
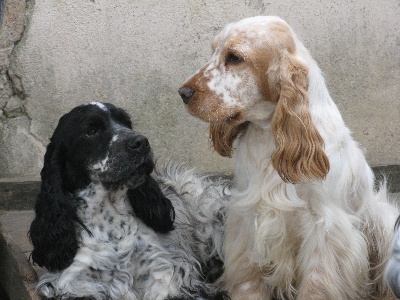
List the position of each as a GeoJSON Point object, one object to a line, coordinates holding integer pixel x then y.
{"type": "Point", "coordinates": [15, 106]}
{"type": "Point", "coordinates": [15, 121]}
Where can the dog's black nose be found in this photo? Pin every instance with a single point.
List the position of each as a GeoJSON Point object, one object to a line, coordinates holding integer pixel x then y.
{"type": "Point", "coordinates": [138, 144]}
{"type": "Point", "coordinates": [186, 93]}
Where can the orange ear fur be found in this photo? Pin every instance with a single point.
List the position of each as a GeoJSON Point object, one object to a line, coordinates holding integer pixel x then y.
{"type": "Point", "coordinates": [299, 154]}
{"type": "Point", "coordinates": [222, 137]}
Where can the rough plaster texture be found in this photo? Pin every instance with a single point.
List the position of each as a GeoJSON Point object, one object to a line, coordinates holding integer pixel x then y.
{"type": "Point", "coordinates": [136, 54]}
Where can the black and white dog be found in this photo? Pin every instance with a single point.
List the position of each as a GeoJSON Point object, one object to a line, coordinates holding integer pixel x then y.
{"type": "Point", "coordinates": [107, 229]}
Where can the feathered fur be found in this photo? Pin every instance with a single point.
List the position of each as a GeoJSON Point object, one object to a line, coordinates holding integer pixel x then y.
{"type": "Point", "coordinates": [305, 221]}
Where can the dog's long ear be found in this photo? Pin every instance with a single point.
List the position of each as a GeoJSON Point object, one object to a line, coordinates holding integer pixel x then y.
{"type": "Point", "coordinates": [52, 232]}
{"type": "Point", "coordinates": [152, 207]}
{"type": "Point", "coordinates": [299, 154]}
{"type": "Point", "coordinates": [223, 135]}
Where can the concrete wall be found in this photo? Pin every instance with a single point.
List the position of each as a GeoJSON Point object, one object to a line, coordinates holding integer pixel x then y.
{"type": "Point", "coordinates": [57, 54]}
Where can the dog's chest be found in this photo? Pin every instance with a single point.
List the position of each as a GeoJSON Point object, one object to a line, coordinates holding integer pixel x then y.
{"type": "Point", "coordinates": [108, 216]}
{"type": "Point", "coordinates": [110, 226]}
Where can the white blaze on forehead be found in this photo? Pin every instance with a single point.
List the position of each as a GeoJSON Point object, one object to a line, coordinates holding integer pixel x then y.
{"type": "Point", "coordinates": [99, 105]}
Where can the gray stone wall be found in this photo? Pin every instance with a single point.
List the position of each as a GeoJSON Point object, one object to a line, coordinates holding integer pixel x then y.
{"type": "Point", "coordinates": [58, 54]}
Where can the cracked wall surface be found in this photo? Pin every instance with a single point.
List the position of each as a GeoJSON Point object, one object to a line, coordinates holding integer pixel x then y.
{"type": "Point", "coordinates": [58, 54]}
{"type": "Point", "coordinates": [20, 152]}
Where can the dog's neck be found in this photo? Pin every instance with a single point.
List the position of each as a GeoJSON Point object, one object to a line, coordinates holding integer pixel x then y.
{"type": "Point", "coordinates": [253, 155]}
{"type": "Point", "coordinates": [95, 196]}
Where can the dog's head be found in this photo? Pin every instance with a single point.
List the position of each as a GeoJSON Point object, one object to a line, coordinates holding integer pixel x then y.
{"type": "Point", "coordinates": [257, 74]}
{"type": "Point", "coordinates": [96, 143]}
{"type": "Point", "coordinates": [93, 143]}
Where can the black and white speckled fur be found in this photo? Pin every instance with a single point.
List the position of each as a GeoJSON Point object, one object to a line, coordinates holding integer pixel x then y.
{"type": "Point", "coordinates": [119, 256]}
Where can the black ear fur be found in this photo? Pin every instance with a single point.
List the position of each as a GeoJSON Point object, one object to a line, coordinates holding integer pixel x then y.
{"type": "Point", "coordinates": [52, 232]}
{"type": "Point", "coordinates": [152, 207]}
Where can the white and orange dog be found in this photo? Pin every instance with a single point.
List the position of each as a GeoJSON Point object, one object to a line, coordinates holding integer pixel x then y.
{"type": "Point", "coordinates": [306, 221]}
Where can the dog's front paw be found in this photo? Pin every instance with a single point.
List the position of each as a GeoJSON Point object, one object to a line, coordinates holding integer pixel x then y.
{"type": "Point", "coordinates": [47, 290]}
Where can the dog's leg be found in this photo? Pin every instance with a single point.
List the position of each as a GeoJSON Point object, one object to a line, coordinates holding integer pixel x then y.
{"type": "Point", "coordinates": [91, 274]}
{"type": "Point", "coordinates": [159, 273]}
{"type": "Point", "coordinates": [243, 279]}
{"type": "Point", "coordinates": [333, 259]}
{"type": "Point", "coordinates": [379, 231]}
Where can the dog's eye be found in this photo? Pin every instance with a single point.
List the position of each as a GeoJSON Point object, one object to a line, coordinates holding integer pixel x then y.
{"type": "Point", "coordinates": [91, 132]}
{"type": "Point", "coordinates": [233, 59]}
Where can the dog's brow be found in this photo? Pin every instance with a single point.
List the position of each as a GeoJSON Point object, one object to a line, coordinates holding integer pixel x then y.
{"type": "Point", "coordinates": [119, 126]}
{"type": "Point", "coordinates": [94, 121]}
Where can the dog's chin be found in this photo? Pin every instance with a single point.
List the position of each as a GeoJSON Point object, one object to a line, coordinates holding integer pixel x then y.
{"type": "Point", "coordinates": [139, 176]}
{"type": "Point", "coordinates": [130, 176]}
{"type": "Point", "coordinates": [233, 118]}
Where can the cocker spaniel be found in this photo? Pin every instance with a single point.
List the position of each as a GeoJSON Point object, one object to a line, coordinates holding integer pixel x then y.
{"type": "Point", "coordinates": [106, 228]}
{"type": "Point", "coordinates": [305, 220]}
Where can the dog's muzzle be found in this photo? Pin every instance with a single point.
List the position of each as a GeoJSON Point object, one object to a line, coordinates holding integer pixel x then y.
{"type": "Point", "coordinates": [138, 144]}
